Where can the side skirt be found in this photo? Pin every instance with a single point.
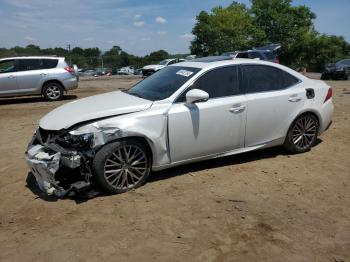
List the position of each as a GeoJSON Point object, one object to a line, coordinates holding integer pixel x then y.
{"type": "Point", "coordinates": [276, 142]}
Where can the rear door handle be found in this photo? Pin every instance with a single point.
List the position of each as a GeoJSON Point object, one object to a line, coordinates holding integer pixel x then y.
{"type": "Point", "coordinates": [237, 109]}
{"type": "Point", "coordinates": [294, 99]}
{"type": "Point", "coordinates": [43, 74]}
{"type": "Point", "coordinates": [11, 76]}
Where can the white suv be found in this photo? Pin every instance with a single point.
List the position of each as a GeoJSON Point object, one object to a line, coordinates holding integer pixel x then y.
{"type": "Point", "coordinates": [47, 76]}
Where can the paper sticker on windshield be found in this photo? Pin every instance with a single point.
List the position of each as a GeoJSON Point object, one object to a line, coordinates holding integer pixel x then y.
{"type": "Point", "coordinates": [184, 73]}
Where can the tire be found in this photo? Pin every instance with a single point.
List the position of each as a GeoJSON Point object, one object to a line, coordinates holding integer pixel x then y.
{"type": "Point", "coordinates": [122, 166]}
{"type": "Point", "coordinates": [302, 134]}
{"type": "Point", "coordinates": [346, 77]}
{"type": "Point", "coordinates": [53, 91]}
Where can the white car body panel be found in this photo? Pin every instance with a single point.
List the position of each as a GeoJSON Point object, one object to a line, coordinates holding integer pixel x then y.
{"type": "Point", "coordinates": [154, 67]}
{"type": "Point", "coordinates": [99, 106]}
{"type": "Point", "coordinates": [202, 132]}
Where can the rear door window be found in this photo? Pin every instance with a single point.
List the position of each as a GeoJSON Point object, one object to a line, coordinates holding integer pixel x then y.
{"type": "Point", "coordinates": [29, 64]}
{"type": "Point", "coordinates": [7, 66]}
{"type": "Point", "coordinates": [49, 63]}
{"type": "Point", "coordinates": [261, 78]}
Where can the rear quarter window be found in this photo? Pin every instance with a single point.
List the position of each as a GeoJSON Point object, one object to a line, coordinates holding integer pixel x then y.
{"type": "Point", "coordinates": [49, 63]}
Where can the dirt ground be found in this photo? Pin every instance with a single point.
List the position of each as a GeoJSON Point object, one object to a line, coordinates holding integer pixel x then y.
{"type": "Point", "coordinates": [259, 206]}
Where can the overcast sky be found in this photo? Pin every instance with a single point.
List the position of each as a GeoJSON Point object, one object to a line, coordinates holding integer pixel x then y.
{"type": "Point", "coordinates": [139, 27]}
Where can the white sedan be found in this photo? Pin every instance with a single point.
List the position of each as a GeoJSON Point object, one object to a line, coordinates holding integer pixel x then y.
{"type": "Point", "coordinates": [186, 112]}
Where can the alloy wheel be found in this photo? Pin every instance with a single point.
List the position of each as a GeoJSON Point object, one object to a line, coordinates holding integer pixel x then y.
{"type": "Point", "coordinates": [53, 92]}
{"type": "Point", "coordinates": [125, 167]}
{"type": "Point", "coordinates": [304, 132]}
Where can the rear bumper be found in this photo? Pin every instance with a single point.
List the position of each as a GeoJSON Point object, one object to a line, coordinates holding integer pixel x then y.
{"type": "Point", "coordinates": [327, 114]}
{"type": "Point", "coordinates": [70, 83]}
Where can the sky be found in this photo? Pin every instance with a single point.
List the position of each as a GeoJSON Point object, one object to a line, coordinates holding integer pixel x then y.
{"type": "Point", "coordinates": [137, 26]}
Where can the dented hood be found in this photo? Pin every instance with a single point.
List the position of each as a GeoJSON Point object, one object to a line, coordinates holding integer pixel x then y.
{"type": "Point", "coordinates": [99, 106]}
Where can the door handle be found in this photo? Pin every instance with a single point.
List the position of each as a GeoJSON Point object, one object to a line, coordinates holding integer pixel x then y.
{"type": "Point", "coordinates": [43, 74]}
{"type": "Point", "coordinates": [237, 109]}
{"type": "Point", "coordinates": [11, 76]}
{"type": "Point", "coordinates": [294, 99]}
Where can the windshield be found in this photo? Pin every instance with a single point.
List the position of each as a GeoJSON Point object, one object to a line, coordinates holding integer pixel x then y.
{"type": "Point", "coordinates": [164, 62]}
{"type": "Point", "coordinates": [344, 62]}
{"type": "Point", "coordinates": [163, 83]}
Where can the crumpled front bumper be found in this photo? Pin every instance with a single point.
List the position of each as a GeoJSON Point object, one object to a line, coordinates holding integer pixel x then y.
{"type": "Point", "coordinates": [44, 164]}
{"type": "Point", "coordinates": [44, 167]}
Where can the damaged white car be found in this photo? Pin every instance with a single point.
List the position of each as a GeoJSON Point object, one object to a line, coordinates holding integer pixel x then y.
{"type": "Point", "coordinates": [185, 112]}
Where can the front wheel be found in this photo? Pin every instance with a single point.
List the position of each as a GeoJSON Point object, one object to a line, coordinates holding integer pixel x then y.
{"type": "Point", "coordinates": [302, 134]}
{"type": "Point", "coordinates": [121, 166]}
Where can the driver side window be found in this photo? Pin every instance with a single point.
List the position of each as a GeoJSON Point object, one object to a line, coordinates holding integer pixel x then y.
{"type": "Point", "coordinates": [219, 82]}
{"type": "Point", "coordinates": [7, 66]}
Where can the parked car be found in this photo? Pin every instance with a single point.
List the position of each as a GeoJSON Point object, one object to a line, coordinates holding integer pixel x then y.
{"type": "Point", "coordinates": [89, 72]}
{"type": "Point", "coordinates": [267, 53]}
{"type": "Point", "coordinates": [150, 69]}
{"type": "Point", "coordinates": [46, 76]}
{"type": "Point", "coordinates": [183, 113]}
{"type": "Point", "coordinates": [127, 70]}
{"type": "Point", "coordinates": [338, 70]}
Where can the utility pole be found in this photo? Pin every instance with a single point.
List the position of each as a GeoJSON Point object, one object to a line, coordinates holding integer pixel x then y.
{"type": "Point", "coordinates": [70, 56]}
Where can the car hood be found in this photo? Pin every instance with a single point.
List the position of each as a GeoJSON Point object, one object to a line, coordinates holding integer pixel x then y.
{"type": "Point", "coordinates": [94, 107]}
{"type": "Point", "coordinates": [154, 67]}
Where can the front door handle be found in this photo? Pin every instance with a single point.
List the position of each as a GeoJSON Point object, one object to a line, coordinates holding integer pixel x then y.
{"type": "Point", "coordinates": [43, 74]}
{"type": "Point", "coordinates": [237, 109]}
{"type": "Point", "coordinates": [11, 76]}
{"type": "Point", "coordinates": [294, 99]}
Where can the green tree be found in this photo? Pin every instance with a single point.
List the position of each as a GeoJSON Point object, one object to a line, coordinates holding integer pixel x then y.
{"type": "Point", "coordinates": [225, 29]}
{"type": "Point", "coordinates": [291, 26]}
{"type": "Point", "coordinates": [157, 56]}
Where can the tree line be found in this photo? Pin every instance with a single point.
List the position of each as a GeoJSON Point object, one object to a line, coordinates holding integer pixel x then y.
{"type": "Point", "coordinates": [238, 27]}
{"type": "Point", "coordinates": [90, 57]}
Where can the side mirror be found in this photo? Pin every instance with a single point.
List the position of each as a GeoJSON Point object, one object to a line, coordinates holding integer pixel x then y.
{"type": "Point", "coordinates": [196, 95]}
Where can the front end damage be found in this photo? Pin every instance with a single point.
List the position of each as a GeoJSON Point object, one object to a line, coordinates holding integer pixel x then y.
{"type": "Point", "coordinates": [61, 160]}
{"type": "Point", "coordinates": [51, 154]}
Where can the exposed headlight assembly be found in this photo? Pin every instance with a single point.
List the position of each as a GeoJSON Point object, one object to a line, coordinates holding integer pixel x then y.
{"type": "Point", "coordinates": [78, 141]}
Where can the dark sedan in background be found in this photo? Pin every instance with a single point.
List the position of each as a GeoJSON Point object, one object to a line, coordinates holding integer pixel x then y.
{"type": "Point", "coordinates": [338, 70]}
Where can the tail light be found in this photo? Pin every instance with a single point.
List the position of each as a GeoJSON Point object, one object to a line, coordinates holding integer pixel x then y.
{"type": "Point", "coordinates": [329, 95]}
{"type": "Point", "coordinates": [69, 69]}
{"type": "Point", "coordinates": [277, 60]}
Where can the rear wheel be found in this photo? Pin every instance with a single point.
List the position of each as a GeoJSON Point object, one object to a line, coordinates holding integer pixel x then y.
{"type": "Point", "coordinates": [122, 166]}
{"type": "Point", "coordinates": [53, 91]}
{"type": "Point", "coordinates": [302, 134]}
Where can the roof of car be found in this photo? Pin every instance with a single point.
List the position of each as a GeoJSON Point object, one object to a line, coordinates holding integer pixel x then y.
{"type": "Point", "coordinates": [32, 57]}
{"type": "Point", "coordinates": [225, 60]}
{"type": "Point", "coordinates": [210, 59]}
{"type": "Point", "coordinates": [237, 61]}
